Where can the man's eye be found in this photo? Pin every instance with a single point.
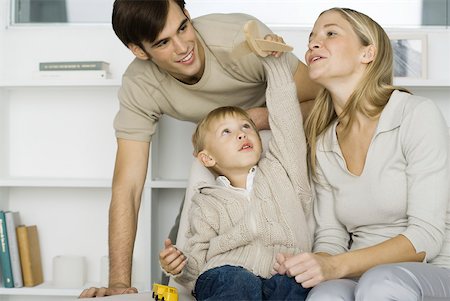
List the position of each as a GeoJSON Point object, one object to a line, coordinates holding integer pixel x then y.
{"type": "Point", "coordinates": [162, 43]}
{"type": "Point", "coordinates": [183, 27]}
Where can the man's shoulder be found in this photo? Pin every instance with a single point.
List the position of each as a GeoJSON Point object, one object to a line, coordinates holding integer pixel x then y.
{"type": "Point", "coordinates": [219, 19]}
{"type": "Point", "coordinates": [143, 73]}
{"type": "Point", "coordinates": [139, 67]}
{"type": "Point", "coordinates": [224, 30]}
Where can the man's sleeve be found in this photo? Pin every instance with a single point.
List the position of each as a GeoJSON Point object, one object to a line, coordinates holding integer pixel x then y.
{"type": "Point", "coordinates": [138, 112]}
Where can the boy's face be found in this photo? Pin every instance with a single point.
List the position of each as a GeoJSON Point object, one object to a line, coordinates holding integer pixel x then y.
{"type": "Point", "coordinates": [176, 49]}
{"type": "Point", "coordinates": [232, 145]}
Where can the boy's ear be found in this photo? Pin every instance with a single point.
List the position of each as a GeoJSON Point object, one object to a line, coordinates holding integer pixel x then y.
{"type": "Point", "coordinates": [138, 52]}
{"type": "Point", "coordinates": [206, 159]}
{"type": "Point", "coordinates": [369, 54]}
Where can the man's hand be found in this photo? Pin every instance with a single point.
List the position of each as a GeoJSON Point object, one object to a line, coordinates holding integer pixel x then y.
{"type": "Point", "coordinates": [260, 117]}
{"type": "Point", "coordinates": [171, 259]}
{"type": "Point", "coordinates": [107, 291]}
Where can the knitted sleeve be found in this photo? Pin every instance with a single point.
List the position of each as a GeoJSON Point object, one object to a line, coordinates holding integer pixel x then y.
{"type": "Point", "coordinates": [288, 145]}
{"type": "Point", "coordinates": [203, 222]}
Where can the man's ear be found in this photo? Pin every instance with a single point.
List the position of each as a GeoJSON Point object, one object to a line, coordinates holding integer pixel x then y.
{"type": "Point", "coordinates": [138, 52]}
{"type": "Point", "coordinates": [369, 54]}
{"type": "Point", "coordinates": [206, 159]}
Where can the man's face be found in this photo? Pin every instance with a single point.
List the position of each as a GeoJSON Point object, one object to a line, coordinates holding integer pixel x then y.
{"type": "Point", "coordinates": [177, 49]}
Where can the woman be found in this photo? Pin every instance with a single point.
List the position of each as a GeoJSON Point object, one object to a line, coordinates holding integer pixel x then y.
{"type": "Point", "coordinates": [379, 159]}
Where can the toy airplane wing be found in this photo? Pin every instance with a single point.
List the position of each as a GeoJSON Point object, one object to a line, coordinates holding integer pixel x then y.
{"type": "Point", "coordinates": [254, 43]}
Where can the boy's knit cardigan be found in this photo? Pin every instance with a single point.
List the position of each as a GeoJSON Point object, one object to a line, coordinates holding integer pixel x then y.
{"type": "Point", "coordinates": [228, 227]}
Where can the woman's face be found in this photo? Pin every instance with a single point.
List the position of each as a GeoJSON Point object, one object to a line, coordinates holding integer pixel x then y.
{"type": "Point", "coordinates": [335, 54]}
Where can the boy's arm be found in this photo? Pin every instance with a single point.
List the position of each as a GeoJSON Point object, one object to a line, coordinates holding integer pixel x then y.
{"type": "Point", "coordinates": [200, 234]}
{"type": "Point", "coordinates": [288, 144]}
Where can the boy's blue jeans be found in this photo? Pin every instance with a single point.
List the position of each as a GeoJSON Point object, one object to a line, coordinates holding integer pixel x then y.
{"type": "Point", "coordinates": [236, 283]}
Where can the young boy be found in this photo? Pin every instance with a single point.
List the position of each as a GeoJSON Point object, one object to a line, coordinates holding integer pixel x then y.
{"type": "Point", "coordinates": [259, 207]}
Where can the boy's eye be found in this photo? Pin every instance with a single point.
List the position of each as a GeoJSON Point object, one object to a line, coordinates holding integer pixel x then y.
{"type": "Point", "coordinates": [246, 126]}
{"type": "Point", "coordinates": [226, 131]}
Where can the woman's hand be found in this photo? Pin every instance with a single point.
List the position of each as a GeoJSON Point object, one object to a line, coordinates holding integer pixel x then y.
{"type": "Point", "coordinates": [278, 267]}
{"type": "Point", "coordinates": [309, 269]}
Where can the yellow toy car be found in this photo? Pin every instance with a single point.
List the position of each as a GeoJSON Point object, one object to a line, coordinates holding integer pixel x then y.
{"type": "Point", "coordinates": [164, 292]}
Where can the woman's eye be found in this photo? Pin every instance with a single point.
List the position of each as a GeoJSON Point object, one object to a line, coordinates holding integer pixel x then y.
{"type": "Point", "coordinates": [331, 33]}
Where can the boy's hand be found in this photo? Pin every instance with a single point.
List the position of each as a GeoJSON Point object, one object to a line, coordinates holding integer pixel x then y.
{"type": "Point", "coordinates": [275, 38]}
{"type": "Point", "coordinates": [171, 259]}
{"type": "Point", "coordinates": [278, 267]}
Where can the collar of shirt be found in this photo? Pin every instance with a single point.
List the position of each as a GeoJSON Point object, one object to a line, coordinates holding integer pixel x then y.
{"type": "Point", "coordinates": [390, 118]}
{"type": "Point", "coordinates": [223, 181]}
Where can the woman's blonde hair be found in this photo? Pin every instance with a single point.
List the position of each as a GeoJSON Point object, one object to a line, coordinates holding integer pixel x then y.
{"type": "Point", "coordinates": [198, 138]}
{"type": "Point", "coordinates": [371, 94]}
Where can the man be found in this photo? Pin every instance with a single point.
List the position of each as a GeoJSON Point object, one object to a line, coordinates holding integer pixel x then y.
{"type": "Point", "coordinates": [184, 68]}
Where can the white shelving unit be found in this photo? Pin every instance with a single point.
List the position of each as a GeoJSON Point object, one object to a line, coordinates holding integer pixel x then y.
{"type": "Point", "coordinates": [57, 147]}
{"type": "Point", "coordinates": [41, 176]}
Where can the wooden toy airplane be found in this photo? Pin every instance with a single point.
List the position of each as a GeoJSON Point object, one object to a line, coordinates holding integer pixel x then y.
{"type": "Point", "coordinates": [254, 43]}
{"type": "Point", "coordinates": [260, 46]}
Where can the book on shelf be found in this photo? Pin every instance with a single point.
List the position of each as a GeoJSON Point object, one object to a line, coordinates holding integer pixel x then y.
{"type": "Point", "coordinates": [5, 261]}
{"type": "Point", "coordinates": [74, 65]}
{"type": "Point", "coordinates": [12, 222]}
{"type": "Point", "coordinates": [30, 255]}
{"type": "Point", "coordinates": [72, 75]}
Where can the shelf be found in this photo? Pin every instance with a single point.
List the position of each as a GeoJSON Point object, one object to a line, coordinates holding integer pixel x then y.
{"type": "Point", "coordinates": [60, 83]}
{"type": "Point", "coordinates": [168, 183]}
{"type": "Point", "coordinates": [421, 83]}
{"type": "Point", "coordinates": [83, 183]}
{"type": "Point", "coordinates": [49, 182]}
{"type": "Point", "coordinates": [45, 289]}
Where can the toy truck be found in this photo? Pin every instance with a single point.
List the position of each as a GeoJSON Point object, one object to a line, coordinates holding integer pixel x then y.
{"type": "Point", "coordinates": [164, 293]}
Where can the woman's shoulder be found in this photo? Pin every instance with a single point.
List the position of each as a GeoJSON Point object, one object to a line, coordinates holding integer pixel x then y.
{"type": "Point", "coordinates": [414, 113]}
{"type": "Point", "coordinates": [409, 101]}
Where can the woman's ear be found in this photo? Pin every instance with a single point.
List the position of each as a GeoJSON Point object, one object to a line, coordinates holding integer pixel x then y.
{"type": "Point", "coordinates": [369, 54]}
{"type": "Point", "coordinates": [138, 52]}
{"type": "Point", "coordinates": [206, 159]}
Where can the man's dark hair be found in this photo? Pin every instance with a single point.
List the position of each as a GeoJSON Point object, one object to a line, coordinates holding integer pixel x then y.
{"type": "Point", "coordinates": [135, 21]}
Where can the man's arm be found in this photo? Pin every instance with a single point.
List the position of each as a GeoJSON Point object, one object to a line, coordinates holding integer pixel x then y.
{"type": "Point", "coordinates": [128, 182]}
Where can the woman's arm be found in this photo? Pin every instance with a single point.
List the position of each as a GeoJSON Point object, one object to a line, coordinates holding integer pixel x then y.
{"type": "Point", "coordinates": [310, 269]}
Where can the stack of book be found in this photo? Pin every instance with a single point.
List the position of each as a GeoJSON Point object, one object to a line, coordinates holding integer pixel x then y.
{"type": "Point", "coordinates": [78, 70]}
{"type": "Point", "coordinates": [20, 255]}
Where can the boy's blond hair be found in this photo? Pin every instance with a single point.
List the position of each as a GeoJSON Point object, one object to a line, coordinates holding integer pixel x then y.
{"type": "Point", "coordinates": [198, 138]}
